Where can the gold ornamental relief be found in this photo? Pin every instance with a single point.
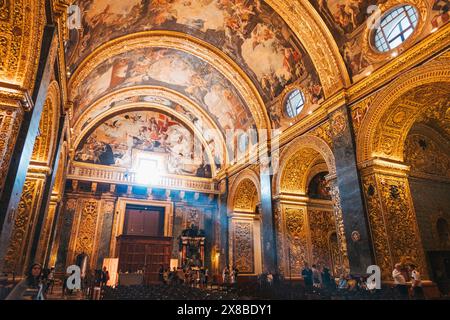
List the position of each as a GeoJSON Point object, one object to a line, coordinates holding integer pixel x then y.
{"type": "Point", "coordinates": [379, 236]}
{"type": "Point", "coordinates": [21, 27]}
{"type": "Point", "coordinates": [86, 231]}
{"type": "Point", "coordinates": [246, 196]}
{"type": "Point", "coordinates": [10, 121]}
{"type": "Point", "coordinates": [294, 172]}
{"type": "Point", "coordinates": [243, 247]}
{"type": "Point", "coordinates": [297, 239]}
{"type": "Point", "coordinates": [322, 225]}
{"type": "Point", "coordinates": [424, 155]}
{"type": "Point", "coordinates": [24, 219]}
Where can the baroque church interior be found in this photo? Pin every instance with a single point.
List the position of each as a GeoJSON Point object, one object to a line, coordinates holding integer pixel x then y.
{"type": "Point", "coordinates": [262, 136]}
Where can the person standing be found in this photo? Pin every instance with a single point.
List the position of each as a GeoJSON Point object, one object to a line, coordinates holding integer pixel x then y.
{"type": "Point", "coordinates": [161, 274]}
{"type": "Point", "coordinates": [105, 277]}
{"type": "Point", "coordinates": [307, 275]}
{"type": "Point", "coordinates": [400, 281]}
{"type": "Point", "coordinates": [416, 282]}
{"type": "Point", "coordinates": [206, 277]}
{"type": "Point", "coordinates": [317, 277]}
{"type": "Point", "coordinates": [30, 288]}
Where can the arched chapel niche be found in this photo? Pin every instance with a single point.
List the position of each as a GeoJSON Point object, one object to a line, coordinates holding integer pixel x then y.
{"type": "Point", "coordinates": [245, 224]}
{"type": "Point", "coordinates": [403, 151]}
{"type": "Point", "coordinates": [307, 211]}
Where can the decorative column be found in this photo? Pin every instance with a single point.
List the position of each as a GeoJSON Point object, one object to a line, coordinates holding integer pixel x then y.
{"type": "Point", "coordinates": [340, 229]}
{"type": "Point", "coordinates": [221, 237]}
{"type": "Point", "coordinates": [245, 242]}
{"type": "Point", "coordinates": [391, 214]}
{"type": "Point", "coordinates": [293, 236]}
{"type": "Point", "coordinates": [66, 227]}
{"type": "Point", "coordinates": [269, 249]}
{"type": "Point", "coordinates": [44, 237]}
{"type": "Point", "coordinates": [351, 204]}
{"type": "Point", "coordinates": [108, 205]}
{"type": "Point", "coordinates": [14, 167]}
{"type": "Point", "coordinates": [24, 221]}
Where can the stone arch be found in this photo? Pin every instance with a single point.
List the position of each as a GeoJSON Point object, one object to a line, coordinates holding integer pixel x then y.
{"type": "Point", "coordinates": [392, 114]}
{"type": "Point", "coordinates": [45, 143]}
{"type": "Point", "coordinates": [316, 149]}
{"type": "Point", "coordinates": [245, 192]}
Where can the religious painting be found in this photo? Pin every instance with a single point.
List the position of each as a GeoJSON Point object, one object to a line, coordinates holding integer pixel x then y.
{"type": "Point", "coordinates": [176, 70]}
{"type": "Point", "coordinates": [198, 120]}
{"type": "Point", "coordinates": [125, 139]}
{"type": "Point", "coordinates": [440, 13]}
{"type": "Point", "coordinates": [318, 187]}
{"type": "Point", "coordinates": [249, 31]}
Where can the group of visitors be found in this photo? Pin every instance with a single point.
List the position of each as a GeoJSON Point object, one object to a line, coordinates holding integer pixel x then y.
{"type": "Point", "coordinates": [230, 276]}
{"type": "Point", "coordinates": [316, 277]}
{"type": "Point", "coordinates": [401, 275]}
{"type": "Point", "coordinates": [193, 277]}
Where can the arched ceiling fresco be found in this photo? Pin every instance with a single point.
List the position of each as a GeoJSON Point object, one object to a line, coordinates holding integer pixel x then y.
{"type": "Point", "coordinates": [169, 102]}
{"type": "Point", "coordinates": [348, 21]}
{"type": "Point", "coordinates": [249, 32]}
{"type": "Point", "coordinates": [168, 68]}
{"type": "Point", "coordinates": [127, 139]}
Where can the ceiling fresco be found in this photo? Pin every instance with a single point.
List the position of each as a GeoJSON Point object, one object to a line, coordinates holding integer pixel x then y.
{"type": "Point", "coordinates": [247, 31]}
{"type": "Point", "coordinates": [173, 69]}
{"type": "Point", "coordinates": [347, 19]}
{"type": "Point", "coordinates": [124, 140]}
{"type": "Point", "coordinates": [199, 121]}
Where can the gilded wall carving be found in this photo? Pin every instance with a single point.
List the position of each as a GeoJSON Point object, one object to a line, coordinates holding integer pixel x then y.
{"type": "Point", "coordinates": [21, 27]}
{"type": "Point", "coordinates": [339, 220]}
{"type": "Point", "coordinates": [279, 232]}
{"type": "Point", "coordinates": [246, 196]}
{"type": "Point", "coordinates": [322, 225]}
{"type": "Point", "coordinates": [44, 143]}
{"type": "Point", "coordinates": [423, 154]}
{"type": "Point", "coordinates": [393, 225]}
{"type": "Point", "coordinates": [297, 239]}
{"type": "Point", "coordinates": [243, 246]}
{"type": "Point", "coordinates": [294, 170]}
{"type": "Point", "coordinates": [395, 109]}
{"type": "Point", "coordinates": [87, 229]}
{"type": "Point", "coordinates": [10, 121]}
{"type": "Point", "coordinates": [26, 212]}
{"type": "Point", "coordinates": [380, 240]}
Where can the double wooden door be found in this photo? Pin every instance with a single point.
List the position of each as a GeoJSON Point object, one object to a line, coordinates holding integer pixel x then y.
{"type": "Point", "coordinates": [144, 253]}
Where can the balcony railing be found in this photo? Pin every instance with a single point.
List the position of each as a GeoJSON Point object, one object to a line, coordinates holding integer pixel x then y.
{"type": "Point", "coordinates": [93, 173]}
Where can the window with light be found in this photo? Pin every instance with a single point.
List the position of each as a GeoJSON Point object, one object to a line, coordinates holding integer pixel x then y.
{"type": "Point", "coordinates": [396, 26]}
{"type": "Point", "coordinates": [295, 102]}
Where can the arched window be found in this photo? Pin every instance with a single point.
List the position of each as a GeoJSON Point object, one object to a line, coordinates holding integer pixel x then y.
{"type": "Point", "coordinates": [395, 27]}
{"type": "Point", "coordinates": [294, 103]}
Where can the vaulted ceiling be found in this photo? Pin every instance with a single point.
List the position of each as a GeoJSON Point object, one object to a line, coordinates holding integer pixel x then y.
{"type": "Point", "coordinates": [219, 64]}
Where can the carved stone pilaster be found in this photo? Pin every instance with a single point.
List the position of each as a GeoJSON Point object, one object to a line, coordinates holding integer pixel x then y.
{"type": "Point", "coordinates": [392, 218]}
{"type": "Point", "coordinates": [44, 238]}
{"type": "Point", "coordinates": [340, 229]}
{"type": "Point", "coordinates": [16, 257]}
